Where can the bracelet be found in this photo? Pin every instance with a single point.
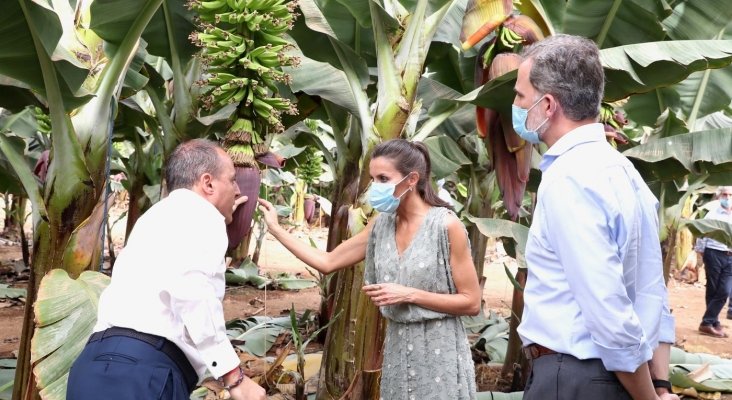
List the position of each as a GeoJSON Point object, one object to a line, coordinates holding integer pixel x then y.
{"type": "Point", "coordinates": [237, 382]}
{"type": "Point", "coordinates": [662, 383]}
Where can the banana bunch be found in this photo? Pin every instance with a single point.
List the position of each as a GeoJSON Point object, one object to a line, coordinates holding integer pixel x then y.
{"type": "Point", "coordinates": [243, 52]}
{"type": "Point", "coordinates": [43, 120]}
{"type": "Point", "coordinates": [613, 121]}
{"type": "Point", "coordinates": [509, 38]}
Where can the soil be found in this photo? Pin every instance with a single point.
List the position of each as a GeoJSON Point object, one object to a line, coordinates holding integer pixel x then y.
{"type": "Point", "coordinates": [687, 300]}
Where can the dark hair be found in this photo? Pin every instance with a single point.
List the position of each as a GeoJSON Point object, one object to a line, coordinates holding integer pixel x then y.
{"type": "Point", "coordinates": [569, 68]}
{"type": "Point", "coordinates": [189, 161]}
{"type": "Point", "coordinates": [411, 157]}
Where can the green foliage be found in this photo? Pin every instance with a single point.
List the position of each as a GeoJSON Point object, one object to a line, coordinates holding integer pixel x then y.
{"type": "Point", "coordinates": [65, 311]}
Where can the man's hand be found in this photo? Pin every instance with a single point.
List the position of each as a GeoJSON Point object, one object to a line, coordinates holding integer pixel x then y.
{"type": "Point", "coordinates": [239, 201]}
{"type": "Point", "coordinates": [248, 390]}
{"type": "Point", "coordinates": [668, 396]}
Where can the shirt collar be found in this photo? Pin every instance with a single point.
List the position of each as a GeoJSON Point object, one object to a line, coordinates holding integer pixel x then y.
{"type": "Point", "coordinates": [584, 134]}
{"type": "Point", "coordinates": [195, 199]}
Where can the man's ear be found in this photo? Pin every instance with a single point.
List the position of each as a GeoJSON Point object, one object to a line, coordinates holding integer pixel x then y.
{"type": "Point", "coordinates": [552, 106]}
{"type": "Point", "coordinates": [206, 182]}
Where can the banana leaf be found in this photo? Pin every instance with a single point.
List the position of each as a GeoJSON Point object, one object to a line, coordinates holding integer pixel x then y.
{"type": "Point", "coordinates": [20, 51]}
{"type": "Point", "coordinates": [492, 227]}
{"type": "Point", "coordinates": [292, 283]}
{"type": "Point", "coordinates": [721, 382]}
{"type": "Point", "coordinates": [6, 292]}
{"type": "Point", "coordinates": [446, 156]}
{"type": "Point", "coordinates": [248, 272]}
{"type": "Point", "coordinates": [616, 23]}
{"type": "Point", "coordinates": [665, 159]}
{"type": "Point", "coordinates": [21, 131]}
{"type": "Point", "coordinates": [65, 313]}
{"type": "Point", "coordinates": [679, 356]}
{"type": "Point", "coordinates": [697, 19]}
{"type": "Point", "coordinates": [638, 68]}
{"type": "Point", "coordinates": [720, 231]}
{"type": "Point", "coordinates": [256, 335]}
{"type": "Point", "coordinates": [702, 93]}
{"type": "Point", "coordinates": [7, 377]}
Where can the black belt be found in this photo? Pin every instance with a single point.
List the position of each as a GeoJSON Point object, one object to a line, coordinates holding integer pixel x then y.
{"type": "Point", "coordinates": [164, 345]}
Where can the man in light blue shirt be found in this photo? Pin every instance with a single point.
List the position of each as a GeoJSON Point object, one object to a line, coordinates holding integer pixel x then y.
{"type": "Point", "coordinates": [718, 264]}
{"type": "Point", "coordinates": [596, 323]}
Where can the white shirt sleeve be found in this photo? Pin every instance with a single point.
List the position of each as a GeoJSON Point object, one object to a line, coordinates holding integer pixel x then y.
{"type": "Point", "coordinates": [193, 297]}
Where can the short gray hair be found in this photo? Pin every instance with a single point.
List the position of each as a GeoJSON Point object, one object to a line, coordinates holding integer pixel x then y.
{"type": "Point", "coordinates": [568, 67]}
{"type": "Point", "coordinates": [727, 189]}
{"type": "Point", "coordinates": [189, 161]}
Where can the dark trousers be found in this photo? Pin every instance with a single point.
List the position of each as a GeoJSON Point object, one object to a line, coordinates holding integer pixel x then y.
{"type": "Point", "coordinates": [563, 377]}
{"type": "Point", "coordinates": [123, 368]}
{"type": "Point", "coordinates": [719, 283]}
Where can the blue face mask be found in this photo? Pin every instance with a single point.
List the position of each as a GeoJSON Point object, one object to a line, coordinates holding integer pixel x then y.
{"type": "Point", "coordinates": [724, 203]}
{"type": "Point", "coordinates": [381, 196]}
{"type": "Point", "coordinates": [519, 116]}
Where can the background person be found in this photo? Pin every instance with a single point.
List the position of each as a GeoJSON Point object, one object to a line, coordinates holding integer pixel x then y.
{"type": "Point", "coordinates": [160, 322]}
{"type": "Point", "coordinates": [419, 272]}
{"type": "Point", "coordinates": [718, 264]}
{"type": "Point", "coordinates": [596, 323]}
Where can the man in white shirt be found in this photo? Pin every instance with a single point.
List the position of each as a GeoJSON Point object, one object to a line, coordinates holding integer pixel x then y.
{"type": "Point", "coordinates": [160, 323]}
{"type": "Point", "coordinates": [718, 264]}
{"type": "Point", "coordinates": [596, 323]}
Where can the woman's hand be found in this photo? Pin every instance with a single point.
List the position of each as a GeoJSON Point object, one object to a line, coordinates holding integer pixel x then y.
{"type": "Point", "coordinates": [269, 214]}
{"type": "Point", "coordinates": [386, 294]}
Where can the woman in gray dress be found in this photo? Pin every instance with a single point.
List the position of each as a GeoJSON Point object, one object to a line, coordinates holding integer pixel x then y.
{"type": "Point", "coordinates": [419, 272]}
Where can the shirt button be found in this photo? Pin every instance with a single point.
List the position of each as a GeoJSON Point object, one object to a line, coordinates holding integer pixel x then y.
{"type": "Point", "coordinates": [213, 364]}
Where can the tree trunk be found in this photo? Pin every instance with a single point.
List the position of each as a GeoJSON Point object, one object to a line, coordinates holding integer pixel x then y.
{"type": "Point", "coordinates": [516, 361]}
{"type": "Point", "coordinates": [479, 205]}
{"type": "Point", "coordinates": [352, 355]}
{"type": "Point", "coordinates": [134, 207]}
{"type": "Point", "coordinates": [25, 385]}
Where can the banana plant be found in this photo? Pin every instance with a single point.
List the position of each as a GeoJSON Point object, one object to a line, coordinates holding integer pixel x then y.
{"type": "Point", "coordinates": [44, 51]}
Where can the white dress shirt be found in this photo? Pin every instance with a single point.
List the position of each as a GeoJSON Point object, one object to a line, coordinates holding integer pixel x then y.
{"type": "Point", "coordinates": [595, 286]}
{"type": "Point", "coordinates": [169, 281]}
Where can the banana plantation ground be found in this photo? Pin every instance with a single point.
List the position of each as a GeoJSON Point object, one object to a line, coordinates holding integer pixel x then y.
{"type": "Point", "coordinates": [687, 300]}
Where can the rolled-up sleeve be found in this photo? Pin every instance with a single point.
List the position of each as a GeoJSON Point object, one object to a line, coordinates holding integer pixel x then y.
{"type": "Point", "coordinates": [194, 299]}
{"type": "Point", "coordinates": [584, 235]}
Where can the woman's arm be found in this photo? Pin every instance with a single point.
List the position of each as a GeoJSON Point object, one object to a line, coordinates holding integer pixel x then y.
{"type": "Point", "coordinates": [467, 299]}
{"type": "Point", "coordinates": [347, 253]}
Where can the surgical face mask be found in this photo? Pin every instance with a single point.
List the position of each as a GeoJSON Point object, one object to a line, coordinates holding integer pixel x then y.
{"type": "Point", "coordinates": [519, 116]}
{"type": "Point", "coordinates": [724, 203]}
{"type": "Point", "coordinates": [381, 196]}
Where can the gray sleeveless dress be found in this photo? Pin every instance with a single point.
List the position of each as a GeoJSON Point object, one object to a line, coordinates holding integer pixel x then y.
{"type": "Point", "coordinates": [426, 353]}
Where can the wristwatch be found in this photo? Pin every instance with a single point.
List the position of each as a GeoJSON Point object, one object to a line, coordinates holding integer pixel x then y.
{"type": "Point", "coordinates": [662, 383]}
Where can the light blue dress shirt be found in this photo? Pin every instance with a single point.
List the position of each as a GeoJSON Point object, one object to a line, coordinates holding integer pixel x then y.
{"type": "Point", "coordinates": [719, 214]}
{"type": "Point", "coordinates": [595, 286]}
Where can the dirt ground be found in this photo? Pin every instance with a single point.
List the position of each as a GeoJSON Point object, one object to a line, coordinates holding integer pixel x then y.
{"type": "Point", "coordinates": [687, 301]}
